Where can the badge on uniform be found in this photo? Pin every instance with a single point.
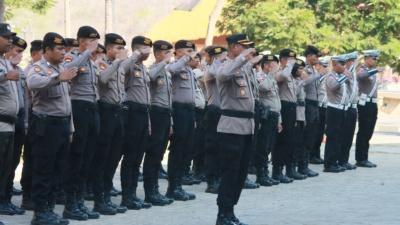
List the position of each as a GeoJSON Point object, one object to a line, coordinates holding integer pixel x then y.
{"type": "Point", "coordinates": [184, 76]}
{"type": "Point", "coordinates": [160, 82]}
{"type": "Point", "coordinates": [242, 92]}
{"type": "Point", "coordinates": [137, 73]}
{"type": "Point", "coordinates": [49, 72]}
{"type": "Point", "coordinates": [82, 69]}
{"type": "Point", "coordinates": [102, 66]}
{"type": "Point", "coordinates": [37, 69]}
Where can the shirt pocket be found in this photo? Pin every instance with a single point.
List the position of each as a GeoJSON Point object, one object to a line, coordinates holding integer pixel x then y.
{"type": "Point", "coordinates": [241, 87]}
{"type": "Point", "coordinates": [84, 75]}
{"type": "Point", "coordinates": [136, 78]}
{"type": "Point", "coordinates": [54, 91]}
{"type": "Point", "coordinates": [184, 80]}
{"type": "Point", "coordinates": [4, 87]}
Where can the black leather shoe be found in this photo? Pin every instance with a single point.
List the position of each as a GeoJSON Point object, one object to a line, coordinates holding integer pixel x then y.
{"type": "Point", "coordinates": [6, 209]}
{"type": "Point", "coordinates": [84, 209]}
{"type": "Point", "coordinates": [27, 203]}
{"type": "Point", "coordinates": [236, 220]}
{"type": "Point", "coordinates": [292, 173]}
{"type": "Point", "coordinates": [332, 169]}
{"type": "Point", "coordinates": [135, 203]}
{"type": "Point", "coordinates": [264, 181]}
{"type": "Point", "coordinates": [316, 160]}
{"type": "Point", "coordinates": [104, 209]}
{"type": "Point", "coordinates": [119, 209]}
{"type": "Point", "coordinates": [277, 175]}
{"type": "Point", "coordinates": [191, 196]}
{"type": "Point", "coordinates": [61, 221]}
{"type": "Point", "coordinates": [157, 199]}
{"type": "Point", "coordinates": [348, 166]}
{"type": "Point", "coordinates": [273, 181]}
{"type": "Point", "coordinates": [177, 194]}
{"type": "Point", "coordinates": [72, 212]}
{"type": "Point", "coordinates": [17, 210]}
{"type": "Point", "coordinates": [44, 218]}
{"type": "Point", "coordinates": [308, 172]}
{"type": "Point", "coordinates": [1, 223]}
{"type": "Point", "coordinates": [225, 220]}
{"type": "Point", "coordinates": [16, 191]}
{"type": "Point", "coordinates": [248, 184]}
{"type": "Point", "coordinates": [366, 164]}
{"type": "Point", "coordinates": [342, 168]}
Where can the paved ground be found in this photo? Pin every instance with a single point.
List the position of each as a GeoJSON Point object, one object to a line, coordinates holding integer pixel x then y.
{"type": "Point", "coordinates": [360, 197]}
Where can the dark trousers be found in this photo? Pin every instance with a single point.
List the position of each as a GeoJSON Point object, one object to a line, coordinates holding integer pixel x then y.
{"type": "Point", "coordinates": [83, 147]}
{"type": "Point", "coordinates": [235, 153]}
{"type": "Point", "coordinates": [26, 176]}
{"type": "Point", "coordinates": [198, 141]}
{"type": "Point", "coordinates": [285, 140]}
{"type": "Point", "coordinates": [266, 140]}
{"type": "Point", "coordinates": [311, 128]}
{"type": "Point", "coordinates": [211, 162]}
{"type": "Point", "coordinates": [160, 128]}
{"type": "Point", "coordinates": [181, 139]}
{"type": "Point", "coordinates": [6, 164]}
{"type": "Point", "coordinates": [50, 142]}
{"type": "Point", "coordinates": [300, 156]}
{"type": "Point", "coordinates": [257, 123]}
{"type": "Point", "coordinates": [367, 116]}
{"type": "Point", "coordinates": [19, 140]}
{"type": "Point", "coordinates": [335, 119]}
{"type": "Point", "coordinates": [316, 151]}
{"type": "Point", "coordinates": [136, 122]}
{"type": "Point", "coordinates": [348, 129]}
{"type": "Point", "coordinates": [109, 148]}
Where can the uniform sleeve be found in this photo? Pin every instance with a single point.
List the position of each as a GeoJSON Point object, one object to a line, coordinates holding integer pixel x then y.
{"type": "Point", "coordinates": [227, 70]}
{"type": "Point", "coordinates": [156, 69]}
{"type": "Point", "coordinates": [125, 65]}
{"type": "Point", "coordinates": [2, 74]}
{"type": "Point", "coordinates": [285, 73]}
{"type": "Point", "coordinates": [38, 80]}
{"type": "Point", "coordinates": [71, 61]}
{"type": "Point", "coordinates": [363, 73]}
{"type": "Point", "coordinates": [333, 83]}
{"type": "Point", "coordinates": [311, 78]}
{"type": "Point", "coordinates": [265, 85]}
{"type": "Point", "coordinates": [109, 72]}
{"type": "Point", "coordinates": [178, 65]}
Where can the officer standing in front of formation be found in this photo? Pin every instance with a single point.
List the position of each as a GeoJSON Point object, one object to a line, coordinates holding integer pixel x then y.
{"type": "Point", "coordinates": [160, 117]}
{"type": "Point", "coordinates": [136, 120]}
{"type": "Point", "coordinates": [336, 87]}
{"type": "Point", "coordinates": [109, 146]}
{"type": "Point", "coordinates": [287, 93]}
{"type": "Point", "coordinates": [216, 56]}
{"type": "Point", "coordinates": [270, 119]}
{"type": "Point", "coordinates": [51, 125]}
{"type": "Point", "coordinates": [26, 175]}
{"type": "Point", "coordinates": [351, 113]}
{"type": "Point", "coordinates": [14, 55]}
{"type": "Point", "coordinates": [183, 104]}
{"type": "Point", "coordinates": [9, 107]}
{"type": "Point", "coordinates": [322, 69]}
{"type": "Point", "coordinates": [84, 95]}
{"type": "Point", "coordinates": [311, 87]}
{"type": "Point", "coordinates": [235, 127]}
{"type": "Point", "coordinates": [367, 106]}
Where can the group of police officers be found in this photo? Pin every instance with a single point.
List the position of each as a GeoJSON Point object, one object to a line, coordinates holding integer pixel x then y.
{"type": "Point", "coordinates": [79, 108]}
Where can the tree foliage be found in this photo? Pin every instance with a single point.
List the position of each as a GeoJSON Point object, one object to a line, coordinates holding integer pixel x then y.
{"type": "Point", "coordinates": [37, 6]}
{"type": "Point", "coordinates": [335, 26]}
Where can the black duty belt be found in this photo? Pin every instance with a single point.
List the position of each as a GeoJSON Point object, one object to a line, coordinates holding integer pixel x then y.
{"type": "Point", "coordinates": [53, 119]}
{"type": "Point", "coordinates": [86, 105]}
{"type": "Point", "coordinates": [139, 107]}
{"type": "Point", "coordinates": [312, 102]}
{"type": "Point", "coordinates": [159, 109]}
{"type": "Point", "coordinates": [110, 107]}
{"type": "Point", "coordinates": [179, 105]}
{"type": "Point", "coordinates": [272, 113]}
{"type": "Point", "coordinates": [301, 103]}
{"type": "Point", "coordinates": [239, 114]}
{"type": "Point", "coordinates": [8, 119]}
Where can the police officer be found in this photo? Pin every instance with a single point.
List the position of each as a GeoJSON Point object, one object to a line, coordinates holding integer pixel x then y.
{"type": "Point", "coordinates": [337, 93]}
{"type": "Point", "coordinates": [287, 93]}
{"type": "Point", "coordinates": [322, 69]}
{"type": "Point", "coordinates": [9, 107]}
{"type": "Point", "coordinates": [84, 95]}
{"type": "Point", "coordinates": [235, 126]}
{"type": "Point", "coordinates": [311, 87]}
{"type": "Point", "coordinates": [109, 145]}
{"type": "Point", "coordinates": [367, 107]}
{"type": "Point", "coordinates": [183, 104]}
{"type": "Point", "coordinates": [26, 175]}
{"type": "Point", "coordinates": [51, 125]}
{"type": "Point", "coordinates": [216, 56]}
{"type": "Point", "coordinates": [160, 117]}
{"type": "Point", "coordinates": [270, 119]}
{"type": "Point", "coordinates": [351, 113]}
{"type": "Point", "coordinates": [136, 120]}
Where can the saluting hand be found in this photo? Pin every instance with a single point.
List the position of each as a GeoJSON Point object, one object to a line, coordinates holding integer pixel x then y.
{"type": "Point", "coordinates": [68, 74]}
{"type": "Point", "coordinates": [92, 46]}
{"type": "Point", "coordinates": [168, 57]}
{"type": "Point", "coordinates": [255, 59]}
{"type": "Point", "coordinates": [13, 75]}
{"type": "Point", "coordinates": [122, 55]}
{"type": "Point", "coordinates": [248, 53]}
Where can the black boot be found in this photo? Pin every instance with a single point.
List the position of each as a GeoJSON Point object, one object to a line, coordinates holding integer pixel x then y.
{"type": "Point", "coordinates": [175, 193]}
{"type": "Point", "coordinates": [348, 166]}
{"type": "Point", "coordinates": [278, 175]}
{"type": "Point", "coordinates": [223, 219]}
{"type": "Point", "coordinates": [27, 203]}
{"type": "Point", "coordinates": [292, 173]}
{"type": "Point", "coordinates": [316, 160]}
{"type": "Point", "coordinates": [44, 218]}
{"type": "Point", "coordinates": [83, 208]}
{"type": "Point", "coordinates": [71, 210]}
{"type": "Point", "coordinates": [154, 197]}
{"type": "Point", "coordinates": [305, 170]}
{"type": "Point", "coordinates": [133, 202]}
{"type": "Point", "coordinates": [212, 185]}
{"type": "Point", "coordinates": [263, 178]}
{"type": "Point", "coordinates": [101, 207]}
{"type": "Point", "coordinates": [366, 164]}
{"type": "Point", "coordinates": [118, 208]}
{"type": "Point", "coordinates": [50, 210]}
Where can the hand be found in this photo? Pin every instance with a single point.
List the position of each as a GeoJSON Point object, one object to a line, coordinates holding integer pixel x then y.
{"type": "Point", "coordinates": [122, 55]}
{"type": "Point", "coordinates": [145, 50]}
{"type": "Point", "coordinates": [13, 75]}
{"type": "Point", "coordinates": [15, 60]}
{"type": "Point", "coordinates": [68, 74]}
{"type": "Point", "coordinates": [192, 54]}
{"type": "Point", "coordinates": [280, 128]}
{"type": "Point", "coordinates": [274, 67]}
{"type": "Point", "coordinates": [248, 53]}
{"type": "Point", "coordinates": [291, 61]}
{"type": "Point", "coordinates": [304, 75]}
{"type": "Point", "coordinates": [92, 46]}
{"type": "Point", "coordinates": [256, 59]}
{"type": "Point", "coordinates": [168, 57]}
{"type": "Point", "coordinates": [222, 56]}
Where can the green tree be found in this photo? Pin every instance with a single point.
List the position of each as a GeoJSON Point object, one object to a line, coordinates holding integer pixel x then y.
{"type": "Point", "coordinates": [335, 26]}
{"type": "Point", "coordinates": [37, 6]}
